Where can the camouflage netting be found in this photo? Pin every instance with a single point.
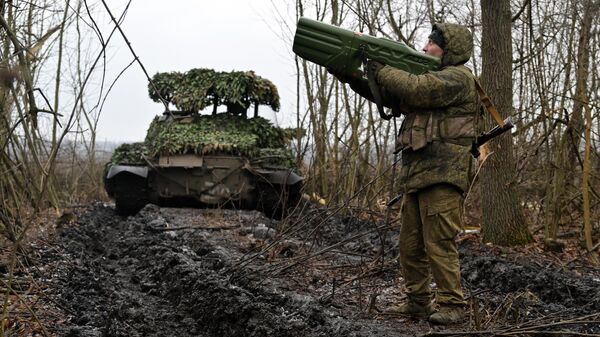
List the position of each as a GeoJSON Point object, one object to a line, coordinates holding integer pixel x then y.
{"type": "Point", "coordinates": [275, 157]}
{"type": "Point", "coordinates": [255, 138]}
{"type": "Point", "coordinates": [196, 89]}
{"type": "Point", "coordinates": [130, 154]}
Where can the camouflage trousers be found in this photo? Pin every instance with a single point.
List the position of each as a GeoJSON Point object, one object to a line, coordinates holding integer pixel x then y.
{"type": "Point", "coordinates": [431, 219]}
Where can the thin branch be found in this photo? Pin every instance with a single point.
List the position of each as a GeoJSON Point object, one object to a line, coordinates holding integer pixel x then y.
{"type": "Point", "coordinates": [136, 58]}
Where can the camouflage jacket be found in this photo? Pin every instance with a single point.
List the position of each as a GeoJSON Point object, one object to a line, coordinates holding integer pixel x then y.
{"type": "Point", "coordinates": [440, 108]}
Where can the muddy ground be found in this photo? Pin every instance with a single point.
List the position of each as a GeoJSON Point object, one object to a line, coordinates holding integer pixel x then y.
{"type": "Point", "coordinates": [194, 272]}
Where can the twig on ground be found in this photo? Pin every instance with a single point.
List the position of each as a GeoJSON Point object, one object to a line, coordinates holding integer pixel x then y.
{"type": "Point", "coordinates": [9, 290]}
{"type": "Point", "coordinates": [326, 249]}
{"type": "Point", "coordinates": [168, 229]}
{"type": "Point", "coordinates": [584, 254]}
{"type": "Point", "coordinates": [540, 329]}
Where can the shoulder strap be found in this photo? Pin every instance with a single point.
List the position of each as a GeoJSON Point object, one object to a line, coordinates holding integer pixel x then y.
{"type": "Point", "coordinates": [487, 102]}
{"type": "Point", "coordinates": [376, 93]}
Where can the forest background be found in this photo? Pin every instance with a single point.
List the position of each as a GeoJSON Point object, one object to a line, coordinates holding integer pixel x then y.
{"type": "Point", "coordinates": [536, 58]}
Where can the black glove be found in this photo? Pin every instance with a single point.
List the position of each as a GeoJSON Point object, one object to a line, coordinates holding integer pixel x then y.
{"type": "Point", "coordinates": [342, 77]}
{"type": "Point", "coordinates": [374, 67]}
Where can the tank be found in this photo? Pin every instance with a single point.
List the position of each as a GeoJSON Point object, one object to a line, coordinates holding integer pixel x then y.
{"type": "Point", "coordinates": [215, 159]}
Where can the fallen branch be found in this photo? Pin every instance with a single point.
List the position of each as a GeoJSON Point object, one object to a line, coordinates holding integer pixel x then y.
{"type": "Point", "coordinates": [584, 254]}
{"type": "Point", "coordinates": [327, 249]}
{"type": "Point", "coordinates": [529, 330]}
{"type": "Point", "coordinates": [169, 229]}
{"type": "Point", "coordinates": [460, 333]}
{"type": "Point", "coordinates": [498, 333]}
{"type": "Point", "coordinates": [9, 290]}
{"type": "Point", "coordinates": [244, 261]}
{"type": "Point", "coordinates": [559, 333]}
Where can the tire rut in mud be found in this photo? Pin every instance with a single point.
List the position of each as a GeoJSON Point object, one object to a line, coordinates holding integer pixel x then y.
{"type": "Point", "coordinates": [116, 278]}
{"type": "Point", "coordinates": [551, 289]}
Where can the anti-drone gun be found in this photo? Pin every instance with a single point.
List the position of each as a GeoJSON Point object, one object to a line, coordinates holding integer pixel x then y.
{"type": "Point", "coordinates": [344, 51]}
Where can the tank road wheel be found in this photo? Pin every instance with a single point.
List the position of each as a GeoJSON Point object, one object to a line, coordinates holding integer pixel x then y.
{"type": "Point", "coordinates": [128, 205]}
{"type": "Point", "coordinates": [130, 193]}
{"type": "Point", "coordinates": [275, 199]}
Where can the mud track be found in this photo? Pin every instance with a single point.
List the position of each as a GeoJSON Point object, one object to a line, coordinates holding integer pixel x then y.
{"type": "Point", "coordinates": [189, 272]}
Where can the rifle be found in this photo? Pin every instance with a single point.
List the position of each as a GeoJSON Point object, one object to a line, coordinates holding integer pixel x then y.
{"type": "Point", "coordinates": [486, 136]}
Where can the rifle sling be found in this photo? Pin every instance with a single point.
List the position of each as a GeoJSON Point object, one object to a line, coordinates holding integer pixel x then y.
{"type": "Point", "coordinates": [376, 94]}
{"type": "Point", "coordinates": [487, 103]}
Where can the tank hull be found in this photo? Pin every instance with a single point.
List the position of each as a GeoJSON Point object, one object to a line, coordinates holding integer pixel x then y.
{"type": "Point", "coordinates": [203, 180]}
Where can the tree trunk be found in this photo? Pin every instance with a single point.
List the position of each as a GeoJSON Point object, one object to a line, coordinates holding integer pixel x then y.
{"type": "Point", "coordinates": [503, 220]}
{"type": "Point", "coordinates": [581, 101]}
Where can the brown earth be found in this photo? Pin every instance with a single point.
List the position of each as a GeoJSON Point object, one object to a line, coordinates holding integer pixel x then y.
{"type": "Point", "coordinates": [193, 272]}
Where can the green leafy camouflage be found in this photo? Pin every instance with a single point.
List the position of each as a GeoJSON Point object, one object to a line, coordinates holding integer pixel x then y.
{"type": "Point", "coordinates": [275, 157]}
{"type": "Point", "coordinates": [208, 134]}
{"type": "Point", "coordinates": [294, 133]}
{"type": "Point", "coordinates": [198, 88]}
{"type": "Point", "coordinates": [130, 154]}
{"type": "Point", "coordinates": [257, 139]}
{"type": "Point", "coordinates": [227, 133]}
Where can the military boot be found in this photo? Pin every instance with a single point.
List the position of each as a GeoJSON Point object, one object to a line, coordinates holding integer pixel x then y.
{"type": "Point", "coordinates": [448, 314]}
{"type": "Point", "coordinates": [411, 308]}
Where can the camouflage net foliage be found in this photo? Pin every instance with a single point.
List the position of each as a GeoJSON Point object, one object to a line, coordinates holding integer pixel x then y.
{"type": "Point", "coordinates": [192, 91]}
{"type": "Point", "coordinates": [275, 157]}
{"type": "Point", "coordinates": [255, 138]}
{"type": "Point", "coordinates": [130, 154]}
{"type": "Point", "coordinates": [196, 89]}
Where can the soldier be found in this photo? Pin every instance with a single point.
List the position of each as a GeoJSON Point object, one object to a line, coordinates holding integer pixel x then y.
{"type": "Point", "coordinates": [440, 108]}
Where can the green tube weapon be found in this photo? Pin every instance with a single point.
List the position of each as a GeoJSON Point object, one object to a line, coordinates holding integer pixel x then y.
{"type": "Point", "coordinates": [344, 51]}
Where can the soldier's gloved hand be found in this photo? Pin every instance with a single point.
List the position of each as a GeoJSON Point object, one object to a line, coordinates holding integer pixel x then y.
{"type": "Point", "coordinates": [340, 76]}
{"type": "Point", "coordinates": [374, 67]}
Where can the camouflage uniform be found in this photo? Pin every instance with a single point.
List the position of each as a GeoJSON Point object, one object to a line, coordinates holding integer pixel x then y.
{"type": "Point", "coordinates": [438, 128]}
